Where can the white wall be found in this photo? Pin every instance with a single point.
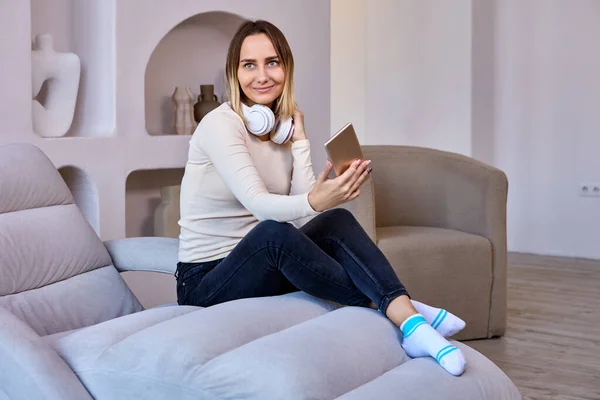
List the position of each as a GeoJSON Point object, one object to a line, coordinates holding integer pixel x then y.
{"type": "Point", "coordinates": [15, 71]}
{"type": "Point", "coordinates": [418, 73]}
{"type": "Point", "coordinates": [60, 24]}
{"type": "Point", "coordinates": [348, 66]}
{"type": "Point", "coordinates": [513, 83]}
{"type": "Point", "coordinates": [548, 122]}
{"type": "Point", "coordinates": [483, 80]}
{"type": "Point", "coordinates": [408, 68]}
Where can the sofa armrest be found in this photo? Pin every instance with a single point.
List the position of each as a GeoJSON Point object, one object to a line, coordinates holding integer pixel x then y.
{"type": "Point", "coordinates": [363, 208]}
{"type": "Point", "coordinates": [417, 186]}
{"type": "Point", "coordinates": [154, 254]}
{"type": "Point", "coordinates": [30, 368]}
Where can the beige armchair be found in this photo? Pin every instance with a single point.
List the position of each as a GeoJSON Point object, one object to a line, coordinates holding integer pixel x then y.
{"type": "Point", "coordinates": [440, 218]}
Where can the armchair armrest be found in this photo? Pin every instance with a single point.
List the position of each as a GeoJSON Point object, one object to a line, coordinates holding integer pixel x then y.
{"type": "Point", "coordinates": [154, 254]}
{"type": "Point", "coordinates": [425, 187]}
{"type": "Point", "coordinates": [30, 368]}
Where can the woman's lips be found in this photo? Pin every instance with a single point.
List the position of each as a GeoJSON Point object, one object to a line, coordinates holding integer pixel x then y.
{"type": "Point", "coordinates": [263, 90]}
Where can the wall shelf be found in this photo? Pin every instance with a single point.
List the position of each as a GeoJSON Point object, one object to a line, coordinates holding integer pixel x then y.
{"type": "Point", "coordinates": [142, 196]}
{"type": "Point", "coordinates": [191, 54]}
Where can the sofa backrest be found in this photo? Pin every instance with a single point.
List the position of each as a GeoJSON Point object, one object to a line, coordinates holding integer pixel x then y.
{"type": "Point", "coordinates": [55, 273]}
{"type": "Point", "coordinates": [429, 187]}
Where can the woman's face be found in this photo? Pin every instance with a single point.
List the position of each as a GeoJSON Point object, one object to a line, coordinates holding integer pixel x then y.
{"type": "Point", "coordinates": [260, 73]}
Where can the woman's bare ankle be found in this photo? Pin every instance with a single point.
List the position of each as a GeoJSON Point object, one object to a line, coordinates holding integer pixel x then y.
{"type": "Point", "coordinates": [400, 309]}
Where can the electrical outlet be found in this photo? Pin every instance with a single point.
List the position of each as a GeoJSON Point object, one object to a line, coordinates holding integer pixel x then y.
{"type": "Point", "coordinates": [589, 189]}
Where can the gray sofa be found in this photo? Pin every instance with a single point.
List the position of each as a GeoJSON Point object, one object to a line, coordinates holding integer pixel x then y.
{"type": "Point", "coordinates": [70, 328]}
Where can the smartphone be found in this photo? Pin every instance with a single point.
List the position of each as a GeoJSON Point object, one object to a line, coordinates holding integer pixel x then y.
{"type": "Point", "coordinates": [343, 149]}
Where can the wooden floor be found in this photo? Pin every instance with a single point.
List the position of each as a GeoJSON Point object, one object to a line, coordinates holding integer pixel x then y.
{"type": "Point", "coordinates": [552, 346]}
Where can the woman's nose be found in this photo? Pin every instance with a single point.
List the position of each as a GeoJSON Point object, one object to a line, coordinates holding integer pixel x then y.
{"type": "Point", "coordinates": [262, 75]}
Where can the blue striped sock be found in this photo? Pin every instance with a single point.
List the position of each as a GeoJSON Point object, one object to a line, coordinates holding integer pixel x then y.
{"type": "Point", "coordinates": [421, 340]}
{"type": "Point", "coordinates": [446, 323]}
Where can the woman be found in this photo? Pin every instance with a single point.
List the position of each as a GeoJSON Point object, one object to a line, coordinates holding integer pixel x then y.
{"type": "Point", "coordinates": [241, 192]}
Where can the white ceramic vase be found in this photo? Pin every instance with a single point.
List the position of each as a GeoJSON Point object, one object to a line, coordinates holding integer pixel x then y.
{"type": "Point", "coordinates": [62, 72]}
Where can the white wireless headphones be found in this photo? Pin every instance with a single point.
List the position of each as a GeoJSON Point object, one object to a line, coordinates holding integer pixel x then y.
{"type": "Point", "coordinates": [261, 121]}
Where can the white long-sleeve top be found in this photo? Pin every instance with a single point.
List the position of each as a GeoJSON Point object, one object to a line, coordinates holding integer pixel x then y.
{"type": "Point", "coordinates": [233, 180]}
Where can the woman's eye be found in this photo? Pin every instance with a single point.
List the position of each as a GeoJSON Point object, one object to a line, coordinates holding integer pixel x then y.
{"type": "Point", "coordinates": [273, 63]}
{"type": "Point", "coordinates": [248, 65]}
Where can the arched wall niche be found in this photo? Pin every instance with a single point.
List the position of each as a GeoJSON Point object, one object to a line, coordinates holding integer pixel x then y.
{"type": "Point", "coordinates": [191, 54]}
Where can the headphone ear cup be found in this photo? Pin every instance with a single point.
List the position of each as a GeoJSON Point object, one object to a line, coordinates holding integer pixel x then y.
{"type": "Point", "coordinates": [259, 119]}
{"type": "Point", "coordinates": [284, 130]}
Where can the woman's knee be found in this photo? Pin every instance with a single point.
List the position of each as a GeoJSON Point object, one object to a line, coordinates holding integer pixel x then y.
{"type": "Point", "coordinates": [272, 228]}
{"type": "Point", "coordinates": [339, 215]}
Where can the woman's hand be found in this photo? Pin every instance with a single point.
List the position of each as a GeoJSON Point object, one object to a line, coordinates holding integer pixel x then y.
{"type": "Point", "coordinates": [329, 193]}
{"type": "Point", "coordinates": [299, 133]}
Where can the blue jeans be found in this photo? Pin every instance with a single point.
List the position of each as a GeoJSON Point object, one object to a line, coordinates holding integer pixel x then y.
{"type": "Point", "coordinates": [330, 257]}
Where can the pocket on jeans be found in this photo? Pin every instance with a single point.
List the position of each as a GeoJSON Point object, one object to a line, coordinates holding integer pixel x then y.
{"type": "Point", "coordinates": [189, 276]}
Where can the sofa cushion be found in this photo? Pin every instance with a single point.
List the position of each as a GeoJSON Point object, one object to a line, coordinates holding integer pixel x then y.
{"type": "Point", "coordinates": [102, 336]}
{"type": "Point", "coordinates": [282, 347]}
{"type": "Point", "coordinates": [50, 256]}
{"type": "Point", "coordinates": [28, 179]}
{"type": "Point", "coordinates": [41, 246]}
{"type": "Point", "coordinates": [80, 301]}
{"type": "Point", "coordinates": [136, 320]}
{"type": "Point", "coordinates": [444, 268]}
{"type": "Point", "coordinates": [30, 369]}
{"type": "Point", "coordinates": [163, 360]}
{"type": "Point", "coordinates": [50, 339]}
{"type": "Point", "coordinates": [422, 378]}
{"type": "Point", "coordinates": [321, 358]}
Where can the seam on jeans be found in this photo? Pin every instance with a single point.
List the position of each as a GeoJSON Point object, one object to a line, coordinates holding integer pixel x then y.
{"type": "Point", "coordinates": [252, 255]}
{"type": "Point", "coordinates": [379, 288]}
{"type": "Point", "coordinates": [323, 277]}
{"type": "Point", "coordinates": [228, 278]}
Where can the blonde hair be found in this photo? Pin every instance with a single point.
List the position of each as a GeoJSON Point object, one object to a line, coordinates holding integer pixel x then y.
{"type": "Point", "coordinates": [284, 105]}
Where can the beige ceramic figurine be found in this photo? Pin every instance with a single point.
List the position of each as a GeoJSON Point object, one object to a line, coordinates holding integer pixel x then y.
{"type": "Point", "coordinates": [183, 111]}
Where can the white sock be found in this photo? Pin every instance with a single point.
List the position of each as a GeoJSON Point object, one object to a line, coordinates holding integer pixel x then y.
{"type": "Point", "coordinates": [421, 340]}
{"type": "Point", "coordinates": [447, 324]}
